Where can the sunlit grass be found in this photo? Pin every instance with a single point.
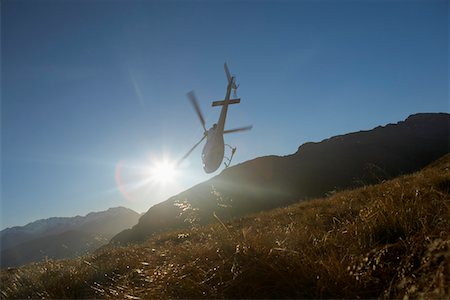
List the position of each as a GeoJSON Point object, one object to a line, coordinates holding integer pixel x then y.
{"type": "Point", "coordinates": [389, 240]}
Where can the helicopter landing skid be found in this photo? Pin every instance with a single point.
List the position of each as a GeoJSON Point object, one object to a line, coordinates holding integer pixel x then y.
{"type": "Point", "coordinates": [229, 159]}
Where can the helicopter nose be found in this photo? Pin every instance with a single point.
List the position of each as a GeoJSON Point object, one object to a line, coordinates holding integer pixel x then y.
{"type": "Point", "coordinates": [210, 163]}
{"type": "Point", "coordinates": [207, 165]}
{"type": "Point", "coordinates": [207, 170]}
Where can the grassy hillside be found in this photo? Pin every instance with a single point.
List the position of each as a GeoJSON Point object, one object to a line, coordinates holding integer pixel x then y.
{"type": "Point", "coordinates": [387, 240]}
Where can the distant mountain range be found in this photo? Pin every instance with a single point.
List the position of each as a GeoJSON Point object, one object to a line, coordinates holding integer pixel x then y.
{"type": "Point", "coordinates": [316, 169]}
{"type": "Point", "coordinates": [57, 237]}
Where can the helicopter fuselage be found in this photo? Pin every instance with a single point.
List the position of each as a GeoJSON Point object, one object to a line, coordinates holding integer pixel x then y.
{"type": "Point", "coordinates": [213, 151]}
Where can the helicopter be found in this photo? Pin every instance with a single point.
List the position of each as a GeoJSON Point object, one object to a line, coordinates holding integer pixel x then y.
{"type": "Point", "coordinates": [214, 149]}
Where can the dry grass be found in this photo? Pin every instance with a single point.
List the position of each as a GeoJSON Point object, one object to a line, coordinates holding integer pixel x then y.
{"type": "Point", "coordinates": [390, 240]}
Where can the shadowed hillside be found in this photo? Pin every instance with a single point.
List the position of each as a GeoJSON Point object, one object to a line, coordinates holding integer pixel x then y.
{"type": "Point", "coordinates": [338, 163]}
{"type": "Point", "coordinates": [390, 240]}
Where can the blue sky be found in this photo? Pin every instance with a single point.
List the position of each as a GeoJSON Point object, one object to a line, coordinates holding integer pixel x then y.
{"type": "Point", "coordinates": [88, 86]}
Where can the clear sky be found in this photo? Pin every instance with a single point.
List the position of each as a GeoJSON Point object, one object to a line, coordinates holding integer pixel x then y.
{"type": "Point", "coordinates": [96, 90]}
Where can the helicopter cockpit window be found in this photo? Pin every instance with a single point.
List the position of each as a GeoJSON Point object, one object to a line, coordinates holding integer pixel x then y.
{"type": "Point", "coordinates": [213, 128]}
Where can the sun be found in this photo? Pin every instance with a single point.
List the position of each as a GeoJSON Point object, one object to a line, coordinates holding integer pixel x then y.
{"type": "Point", "coordinates": [163, 172]}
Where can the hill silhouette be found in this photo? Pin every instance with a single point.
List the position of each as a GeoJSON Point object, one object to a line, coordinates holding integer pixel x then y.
{"type": "Point", "coordinates": [390, 240]}
{"type": "Point", "coordinates": [315, 170]}
{"type": "Point", "coordinates": [62, 237]}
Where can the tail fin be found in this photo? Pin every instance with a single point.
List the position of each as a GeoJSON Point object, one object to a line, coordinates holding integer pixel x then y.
{"type": "Point", "coordinates": [222, 102]}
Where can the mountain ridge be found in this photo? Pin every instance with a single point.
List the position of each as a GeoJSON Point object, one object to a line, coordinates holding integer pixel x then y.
{"type": "Point", "coordinates": [31, 224]}
{"type": "Point", "coordinates": [47, 237]}
{"type": "Point", "coordinates": [315, 169]}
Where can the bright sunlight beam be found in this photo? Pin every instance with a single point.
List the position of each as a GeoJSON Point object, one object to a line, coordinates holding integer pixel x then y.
{"type": "Point", "coordinates": [156, 177]}
{"type": "Point", "coordinates": [163, 172]}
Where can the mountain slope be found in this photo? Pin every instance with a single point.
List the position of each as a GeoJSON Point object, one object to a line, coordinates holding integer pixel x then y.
{"type": "Point", "coordinates": [341, 162]}
{"type": "Point", "coordinates": [390, 240]}
{"type": "Point", "coordinates": [62, 237]}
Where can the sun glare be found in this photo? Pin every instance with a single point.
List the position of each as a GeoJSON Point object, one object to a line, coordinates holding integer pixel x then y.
{"type": "Point", "coordinates": [163, 172]}
{"type": "Point", "coordinates": [156, 177]}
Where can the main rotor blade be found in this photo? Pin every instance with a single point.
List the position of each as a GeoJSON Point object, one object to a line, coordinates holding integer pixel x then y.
{"type": "Point", "coordinates": [238, 129]}
{"type": "Point", "coordinates": [227, 72]}
{"type": "Point", "coordinates": [190, 151]}
{"type": "Point", "coordinates": [194, 103]}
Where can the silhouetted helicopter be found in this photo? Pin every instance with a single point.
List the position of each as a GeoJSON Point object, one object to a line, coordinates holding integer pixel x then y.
{"type": "Point", "coordinates": [214, 149]}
